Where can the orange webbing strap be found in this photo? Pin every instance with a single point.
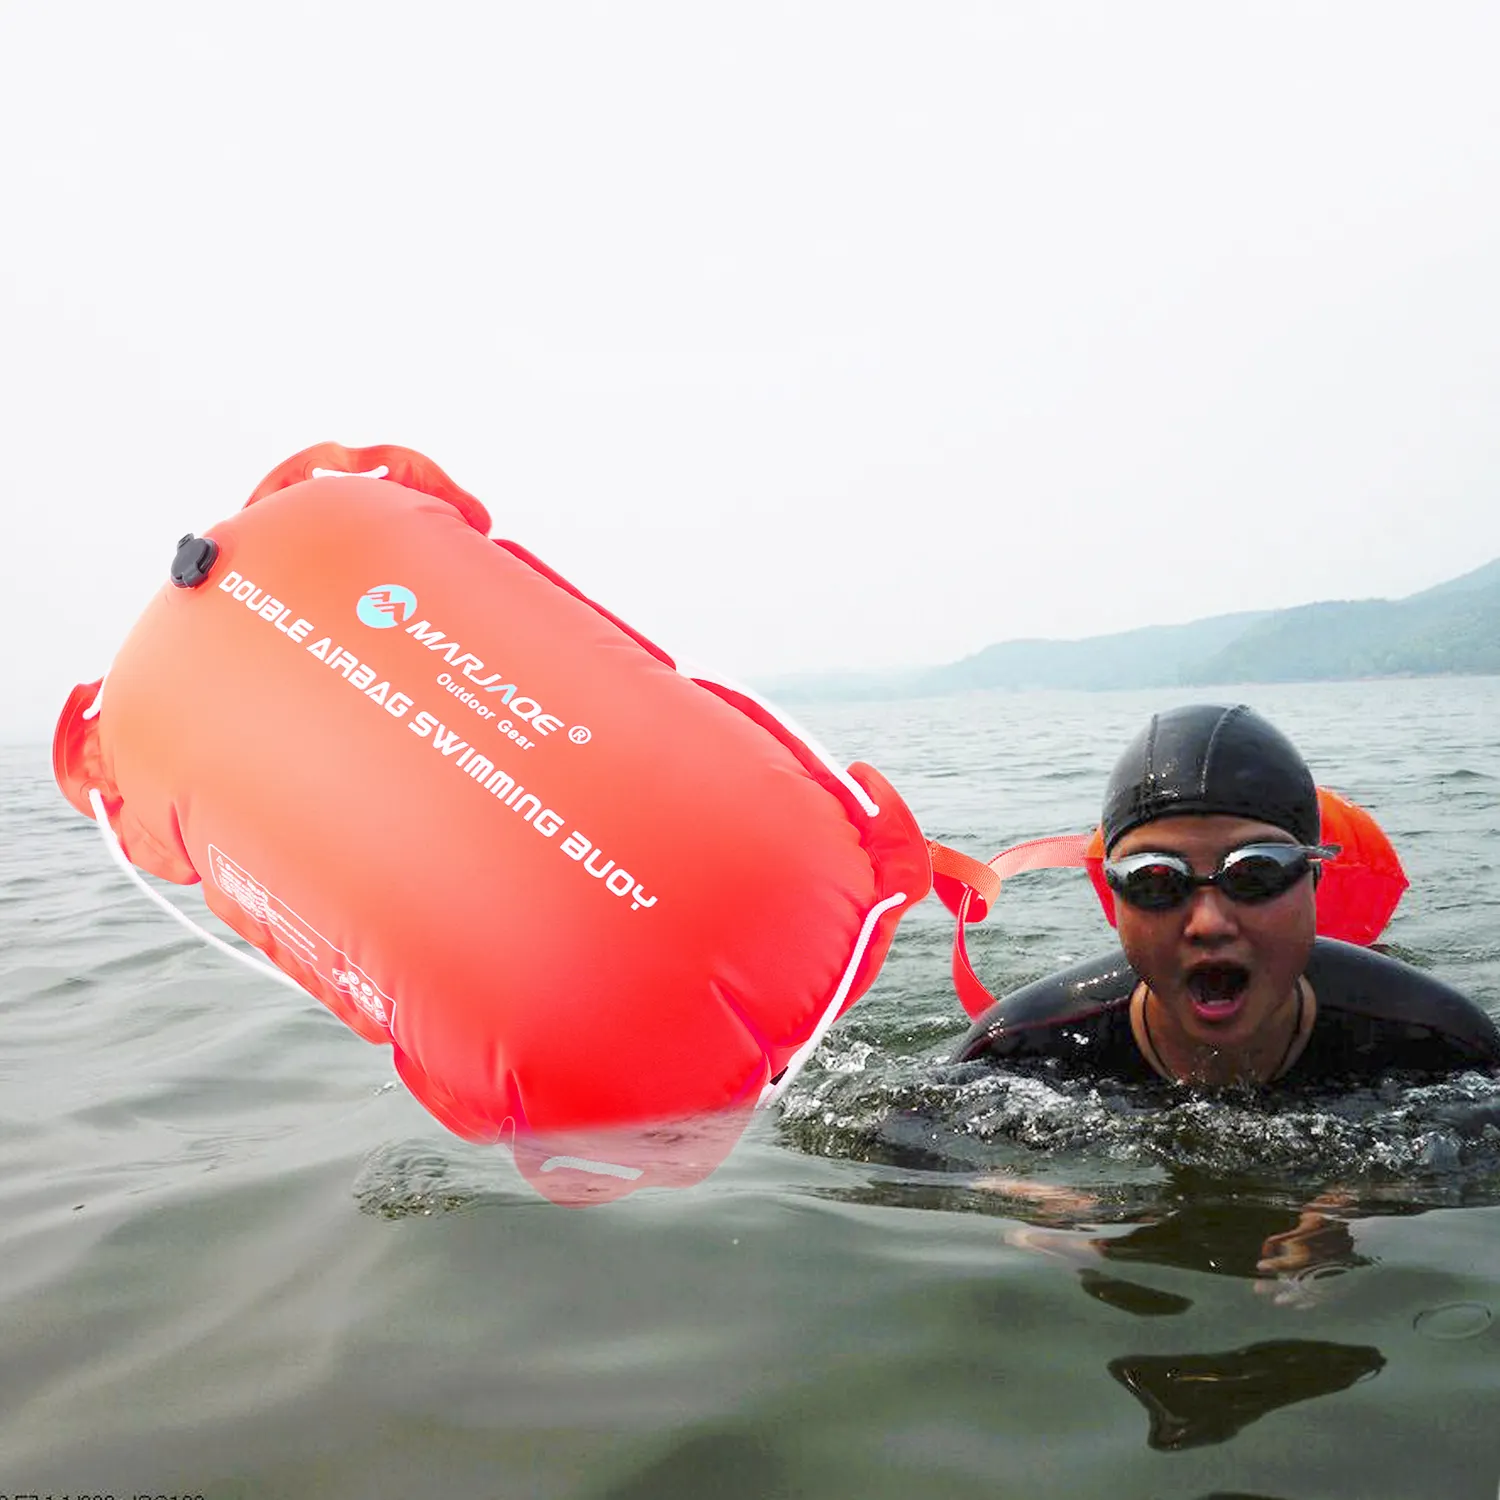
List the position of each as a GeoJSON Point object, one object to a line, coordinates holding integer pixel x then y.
{"type": "Point", "coordinates": [972, 875]}
{"type": "Point", "coordinates": [961, 881]}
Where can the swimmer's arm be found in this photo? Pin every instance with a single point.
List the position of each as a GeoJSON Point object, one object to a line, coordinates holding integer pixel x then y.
{"type": "Point", "coordinates": [1045, 1202]}
{"type": "Point", "coordinates": [1322, 1235]}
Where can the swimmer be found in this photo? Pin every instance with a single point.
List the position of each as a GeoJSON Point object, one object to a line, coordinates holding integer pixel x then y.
{"type": "Point", "coordinates": [1211, 835]}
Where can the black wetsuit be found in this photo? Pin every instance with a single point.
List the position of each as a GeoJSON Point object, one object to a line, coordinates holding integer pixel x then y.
{"type": "Point", "coordinates": [1375, 1015]}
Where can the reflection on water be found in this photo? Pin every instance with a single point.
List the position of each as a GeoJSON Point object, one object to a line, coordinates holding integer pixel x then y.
{"type": "Point", "coordinates": [1131, 1297]}
{"type": "Point", "coordinates": [1286, 1251]}
{"type": "Point", "coordinates": [1194, 1223]}
{"type": "Point", "coordinates": [1195, 1399]}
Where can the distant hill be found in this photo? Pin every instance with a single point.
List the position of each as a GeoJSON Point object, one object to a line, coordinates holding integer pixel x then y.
{"type": "Point", "coordinates": [1451, 628]}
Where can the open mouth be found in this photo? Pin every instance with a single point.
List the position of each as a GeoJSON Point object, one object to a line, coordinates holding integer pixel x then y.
{"type": "Point", "coordinates": [1217, 990]}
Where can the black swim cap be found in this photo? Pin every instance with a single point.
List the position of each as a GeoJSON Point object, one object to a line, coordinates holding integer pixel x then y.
{"type": "Point", "coordinates": [1206, 758]}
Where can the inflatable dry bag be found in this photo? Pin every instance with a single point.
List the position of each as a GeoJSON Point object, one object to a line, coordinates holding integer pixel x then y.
{"type": "Point", "coordinates": [595, 906]}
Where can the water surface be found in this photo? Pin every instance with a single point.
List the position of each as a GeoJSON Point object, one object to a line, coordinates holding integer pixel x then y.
{"type": "Point", "coordinates": [237, 1260]}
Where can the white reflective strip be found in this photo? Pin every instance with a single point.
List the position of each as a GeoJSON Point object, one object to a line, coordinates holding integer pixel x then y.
{"type": "Point", "coordinates": [378, 473]}
{"type": "Point", "coordinates": [111, 843]}
{"type": "Point", "coordinates": [598, 1168]}
{"type": "Point", "coordinates": [773, 1091]}
{"type": "Point", "coordinates": [92, 711]}
{"type": "Point", "coordinates": [859, 794]}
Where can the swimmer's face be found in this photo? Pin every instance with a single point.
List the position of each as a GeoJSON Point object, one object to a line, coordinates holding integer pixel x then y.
{"type": "Point", "coordinates": [1222, 969]}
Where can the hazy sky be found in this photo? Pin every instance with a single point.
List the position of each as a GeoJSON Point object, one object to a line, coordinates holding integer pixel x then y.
{"type": "Point", "coordinates": [801, 336]}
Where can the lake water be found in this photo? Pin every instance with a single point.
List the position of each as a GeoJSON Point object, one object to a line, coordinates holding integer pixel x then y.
{"type": "Point", "coordinates": [236, 1259]}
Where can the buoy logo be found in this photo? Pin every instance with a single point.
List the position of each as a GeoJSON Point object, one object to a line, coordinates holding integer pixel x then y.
{"type": "Point", "coordinates": [377, 608]}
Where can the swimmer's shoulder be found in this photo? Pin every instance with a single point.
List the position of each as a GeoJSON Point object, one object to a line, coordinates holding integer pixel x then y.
{"type": "Point", "coordinates": [1081, 1013]}
{"type": "Point", "coordinates": [1376, 1012]}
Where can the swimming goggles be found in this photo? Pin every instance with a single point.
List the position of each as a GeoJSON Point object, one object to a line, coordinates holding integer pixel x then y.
{"type": "Point", "coordinates": [1249, 874]}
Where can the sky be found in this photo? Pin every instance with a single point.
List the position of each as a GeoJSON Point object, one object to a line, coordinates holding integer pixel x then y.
{"type": "Point", "coordinates": [802, 336]}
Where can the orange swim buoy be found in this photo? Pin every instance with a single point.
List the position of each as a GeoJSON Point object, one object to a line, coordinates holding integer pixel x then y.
{"type": "Point", "coordinates": [578, 892]}
{"type": "Point", "coordinates": [1361, 888]}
